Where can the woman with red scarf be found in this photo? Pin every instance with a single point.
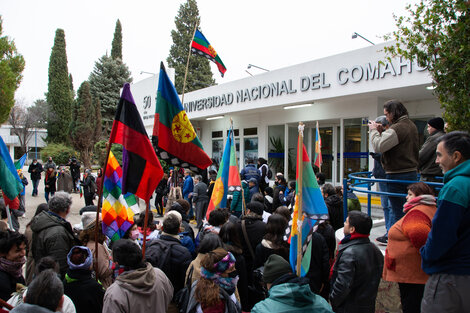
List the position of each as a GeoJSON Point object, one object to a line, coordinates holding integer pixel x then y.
{"type": "Point", "coordinates": [405, 238]}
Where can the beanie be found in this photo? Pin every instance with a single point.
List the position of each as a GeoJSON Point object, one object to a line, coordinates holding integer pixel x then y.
{"type": "Point", "coordinates": [79, 258]}
{"type": "Point", "coordinates": [382, 120]}
{"type": "Point", "coordinates": [275, 267]}
{"type": "Point", "coordinates": [437, 123]}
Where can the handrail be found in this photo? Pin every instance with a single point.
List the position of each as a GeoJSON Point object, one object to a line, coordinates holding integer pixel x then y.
{"type": "Point", "coordinates": [368, 182]}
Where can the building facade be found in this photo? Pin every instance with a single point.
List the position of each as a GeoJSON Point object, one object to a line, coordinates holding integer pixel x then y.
{"type": "Point", "coordinates": [341, 92]}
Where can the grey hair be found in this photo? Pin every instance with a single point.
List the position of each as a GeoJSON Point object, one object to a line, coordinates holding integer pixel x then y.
{"type": "Point", "coordinates": [46, 290]}
{"type": "Point", "coordinates": [60, 202]}
{"type": "Point", "coordinates": [198, 177]}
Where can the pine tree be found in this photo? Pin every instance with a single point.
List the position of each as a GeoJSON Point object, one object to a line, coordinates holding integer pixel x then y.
{"type": "Point", "coordinates": [106, 80]}
{"type": "Point", "coordinates": [116, 45]}
{"type": "Point", "coordinates": [11, 67]}
{"type": "Point", "coordinates": [59, 96]}
{"type": "Point", "coordinates": [83, 125]}
{"type": "Point", "coordinates": [199, 71]}
{"type": "Point", "coordinates": [97, 119]}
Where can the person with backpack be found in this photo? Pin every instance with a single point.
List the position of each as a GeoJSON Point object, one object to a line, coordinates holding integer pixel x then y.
{"type": "Point", "coordinates": [89, 187]}
{"type": "Point", "coordinates": [168, 254]}
{"type": "Point", "coordinates": [265, 173]}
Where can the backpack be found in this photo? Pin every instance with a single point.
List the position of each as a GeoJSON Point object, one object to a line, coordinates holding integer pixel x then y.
{"type": "Point", "coordinates": [158, 254]}
{"type": "Point", "coordinates": [270, 173]}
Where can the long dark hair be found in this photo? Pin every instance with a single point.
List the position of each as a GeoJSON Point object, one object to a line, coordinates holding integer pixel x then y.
{"type": "Point", "coordinates": [396, 109]}
{"type": "Point", "coordinates": [275, 230]}
{"type": "Point", "coordinates": [230, 237]}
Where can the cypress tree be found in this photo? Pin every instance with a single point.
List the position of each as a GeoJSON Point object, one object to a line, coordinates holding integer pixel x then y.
{"type": "Point", "coordinates": [59, 96]}
{"type": "Point", "coordinates": [83, 127]}
{"type": "Point", "coordinates": [116, 45]}
{"type": "Point", "coordinates": [199, 71]}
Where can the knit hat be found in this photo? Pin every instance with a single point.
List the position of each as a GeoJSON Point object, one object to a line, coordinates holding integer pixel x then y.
{"type": "Point", "coordinates": [437, 123]}
{"type": "Point", "coordinates": [79, 258]}
{"type": "Point", "coordinates": [253, 180]}
{"type": "Point", "coordinates": [89, 220]}
{"type": "Point", "coordinates": [275, 267]}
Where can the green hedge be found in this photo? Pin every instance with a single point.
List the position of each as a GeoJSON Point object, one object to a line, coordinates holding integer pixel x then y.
{"type": "Point", "coordinates": [60, 153]}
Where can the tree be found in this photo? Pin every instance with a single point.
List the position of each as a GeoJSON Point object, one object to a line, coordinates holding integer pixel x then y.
{"type": "Point", "coordinates": [83, 124]}
{"type": "Point", "coordinates": [39, 111]}
{"type": "Point", "coordinates": [106, 80]}
{"type": "Point", "coordinates": [97, 118]}
{"type": "Point", "coordinates": [199, 71]}
{"type": "Point", "coordinates": [11, 67]}
{"type": "Point", "coordinates": [59, 95]}
{"type": "Point", "coordinates": [436, 35]}
{"type": "Point", "coordinates": [22, 121]}
{"type": "Point", "coordinates": [116, 45]}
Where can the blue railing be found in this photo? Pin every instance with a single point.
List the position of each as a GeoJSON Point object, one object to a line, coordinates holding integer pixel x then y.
{"type": "Point", "coordinates": [364, 180]}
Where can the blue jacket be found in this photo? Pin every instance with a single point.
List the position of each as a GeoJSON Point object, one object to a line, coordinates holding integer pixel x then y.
{"type": "Point", "coordinates": [250, 171]}
{"type": "Point", "coordinates": [447, 249]}
{"type": "Point", "coordinates": [292, 297]}
{"type": "Point", "coordinates": [188, 186]}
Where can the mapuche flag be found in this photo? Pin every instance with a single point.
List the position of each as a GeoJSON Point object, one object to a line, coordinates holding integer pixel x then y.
{"type": "Point", "coordinates": [200, 45]}
{"type": "Point", "coordinates": [118, 209]}
{"type": "Point", "coordinates": [174, 137]}
{"type": "Point", "coordinates": [141, 169]}
{"type": "Point", "coordinates": [228, 177]}
{"type": "Point", "coordinates": [318, 156]}
{"type": "Point", "coordinates": [10, 182]}
{"type": "Point", "coordinates": [314, 209]}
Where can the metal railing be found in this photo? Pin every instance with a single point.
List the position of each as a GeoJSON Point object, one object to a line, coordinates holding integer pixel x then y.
{"type": "Point", "coordinates": [364, 180]}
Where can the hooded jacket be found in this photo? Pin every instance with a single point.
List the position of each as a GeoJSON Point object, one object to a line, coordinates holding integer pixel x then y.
{"type": "Point", "coordinates": [447, 249]}
{"type": "Point", "coordinates": [427, 156]}
{"type": "Point", "coordinates": [52, 236]}
{"type": "Point", "coordinates": [335, 209]}
{"type": "Point", "coordinates": [141, 290]}
{"type": "Point", "coordinates": [292, 296]}
{"type": "Point", "coordinates": [30, 308]}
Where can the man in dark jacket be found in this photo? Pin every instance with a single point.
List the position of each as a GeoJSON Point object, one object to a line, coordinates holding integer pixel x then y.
{"type": "Point", "coordinates": [427, 165]}
{"type": "Point", "coordinates": [168, 254]}
{"type": "Point", "coordinates": [357, 269]}
{"type": "Point", "coordinates": [35, 170]}
{"type": "Point", "coordinates": [200, 199]}
{"type": "Point", "coordinates": [250, 171]}
{"type": "Point", "coordinates": [89, 187]}
{"type": "Point", "coordinates": [52, 234]}
{"type": "Point", "coordinates": [334, 204]}
{"type": "Point", "coordinates": [75, 172]}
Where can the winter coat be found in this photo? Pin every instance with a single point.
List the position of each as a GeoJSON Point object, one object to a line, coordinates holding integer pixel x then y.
{"type": "Point", "coordinates": [265, 248]}
{"type": "Point", "coordinates": [292, 297]}
{"type": "Point", "coordinates": [250, 171]}
{"type": "Point", "coordinates": [64, 182]}
{"type": "Point", "coordinates": [142, 290]}
{"type": "Point", "coordinates": [177, 262]}
{"type": "Point", "coordinates": [52, 236]}
{"type": "Point", "coordinates": [8, 284]}
{"type": "Point", "coordinates": [230, 306]}
{"type": "Point", "coordinates": [236, 207]}
{"type": "Point", "coordinates": [35, 170]}
{"type": "Point", "coordinates": [427, 156]}
{"type": "Point", "coordinates": [356, 277]}
{"type": "Point", "coordinates": [188, 186]}
{"type": "Point", "coordinates": [88, 191]}
{"type": "Point", "coordinates": [335, 209]}
{"type": "Point", "coordinates": [75, 170]}
{"type": "Point", "coordinates": [162, 188]}
{"type": "Point", "coordinates": [49, 182]}
{"type": "Point", "coordinates": [319, 269]}
{"type": "Point", "coordinates": [104, 273]}
{"type": "Point", "coordinates": [255, 229]}
{"type": "Point", "coordinates": [447, 248]}
{"type": "Point", "coordinates": [85, 292]}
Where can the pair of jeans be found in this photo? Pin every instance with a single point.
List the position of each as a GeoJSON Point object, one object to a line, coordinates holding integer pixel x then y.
{"type": "Point", "coordinates": [396, 203]}
{"type": "Point", "coordinates": [35, 186]}
{"type": "Point", "coordinates": [386, 206]}
{"type": "Point", "coordinates": [46, 195]}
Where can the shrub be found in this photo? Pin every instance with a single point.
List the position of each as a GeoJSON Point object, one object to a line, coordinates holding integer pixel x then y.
{"type": "Point", "coordinates": [60, 153]}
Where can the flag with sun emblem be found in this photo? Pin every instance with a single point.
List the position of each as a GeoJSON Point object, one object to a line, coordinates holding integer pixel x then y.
{"type": "Point", "coordinates": [200, 45]}
{"type": "Point", "coordinates": [228, 177]}
{"type": "Point", "coordinates": [174, 137]}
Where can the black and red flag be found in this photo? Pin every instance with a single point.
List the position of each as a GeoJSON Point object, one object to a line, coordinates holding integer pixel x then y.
{"type": "Point", "coordinates": [141, 169]}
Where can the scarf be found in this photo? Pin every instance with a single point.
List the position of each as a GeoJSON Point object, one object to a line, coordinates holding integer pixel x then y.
{"type": "Point", "coordinates": [346, 239]}
{"type": "Point", "coordinates": [423, 199]}
{"type": "Point", "coordinates": [228, 283]}
{"type": "Point", "coordinates": [12, 267]}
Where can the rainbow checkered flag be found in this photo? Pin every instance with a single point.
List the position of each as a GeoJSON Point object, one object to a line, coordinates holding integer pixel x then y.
{"type": "Point", "coordinates": [118, 210]}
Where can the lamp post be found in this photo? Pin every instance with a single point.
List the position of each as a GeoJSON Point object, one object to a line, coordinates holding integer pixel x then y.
{"type": "Point", "coordinates": [355, 35]}
{"type": "Point", "coordinates": [252, 65]}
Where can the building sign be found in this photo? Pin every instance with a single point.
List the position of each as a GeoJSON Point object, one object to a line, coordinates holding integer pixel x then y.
{"type": "Point", "coordinates": [355, 74]}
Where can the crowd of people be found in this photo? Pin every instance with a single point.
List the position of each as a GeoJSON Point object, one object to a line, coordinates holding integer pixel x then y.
{"type": "Point", "coordinates": [238, 259]}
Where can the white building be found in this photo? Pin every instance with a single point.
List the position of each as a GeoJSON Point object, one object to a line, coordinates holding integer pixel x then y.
{"type": "Point", "coordinates": [35, 142]}
{"type": "Point", "coordinates": [341, 92]}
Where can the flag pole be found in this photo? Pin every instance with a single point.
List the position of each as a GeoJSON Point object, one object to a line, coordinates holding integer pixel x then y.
{"type": "Point", "coordinates": [300, 152]}
{"type": "Point", "coordinates": [187, 62]}
{"type": "Point", "coordinates": [10, 222]}
{"type": "Point", "coordinates": [98, 210]}
{"type": "Point", "coordinates": [147, 208]}
{"type": "Point", "coordinates": [238, 169]}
